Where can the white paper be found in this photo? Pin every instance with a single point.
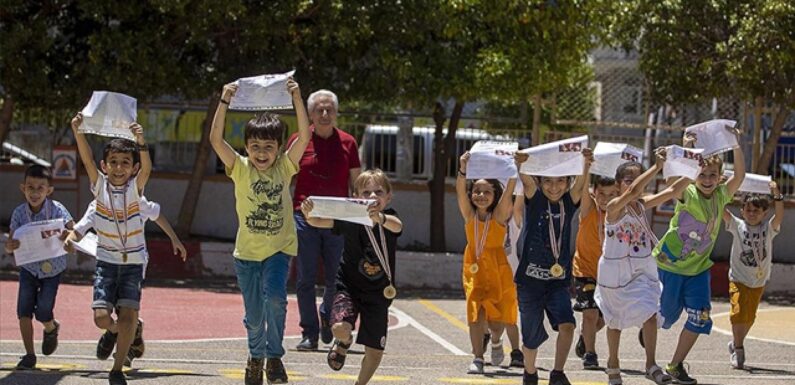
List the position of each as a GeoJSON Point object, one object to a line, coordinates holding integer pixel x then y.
{"type": "Point", "coordinates": [608, 156]}
{"type": "Point", "coordinates": [343, 209]}
{"type": "Point", "coordinates": [109, 114]}
{"type": "Point", "coordinates": [492, 160]}
{"type": "Point", "coordinates": [714, 136]}
{"type": "Point", "coordinates": [681, 161]}
{"type": "Point", "coordinates": [753, 183]}
{"type": "Point", "coordinates": [264, 92]}
{"type": "Point", "coordinates": [39, 241]}
{"type": "Point", "coordinates": [559, 158]}
{"type": "Point", "coordinates": [88, 244]}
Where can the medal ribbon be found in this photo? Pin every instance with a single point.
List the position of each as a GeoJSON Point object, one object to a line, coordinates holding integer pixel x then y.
{"type": "Point", "coordinates": [601, 224]}
{"type": "Point", "coordinates": [380, 249]}
{"type": "Point", "coordinates": [122, 238]}
{"type": "Point", "coordinates": [555, 246]}
{"type": "Point", "coordinates": [480, 241]}
{"type": "Point", "coordinates": [46, 208]}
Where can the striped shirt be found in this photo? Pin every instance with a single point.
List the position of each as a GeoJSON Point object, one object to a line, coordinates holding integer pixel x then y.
{"type": "Point", "coordinates": [124, 234]}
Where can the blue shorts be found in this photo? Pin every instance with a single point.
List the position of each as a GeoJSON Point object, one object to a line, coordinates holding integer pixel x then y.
{"type": "Point", "coordinates": [534, 300]}
{"type": "Point", "coordinates": [117, 286]}
{"type": "Point", "coordinates": [36, 296]}
{"type": "Point", "coordinates": [688, 293]}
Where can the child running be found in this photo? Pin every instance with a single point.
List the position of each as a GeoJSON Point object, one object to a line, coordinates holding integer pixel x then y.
{"type": "Point", "coordinates": [38, 281]}
{"type": "Point", "coordinates": [365, 278]}
{"type": "Point", "coordinates": [490, 292]}
{"type": "Point", "coordinates": [266, 237]}
{"type": "Point", "coordinates": [544, 274]}
{"type": "Point", "coordinates": [628, 290]}
{"type": "Point", "coordinates": [683, 254]}
{"type": "Point", "coordinates": [750, 263]}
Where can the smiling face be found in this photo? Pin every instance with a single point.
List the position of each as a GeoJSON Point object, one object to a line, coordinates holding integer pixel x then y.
{"type": "Point", "coordinates": [324, 114]}
{"type": "Point", "coordinates": [752, 214]}
{"type": "Point", "coordinates": [604, 194]}
{"type": "Point", "coordinates": [554, 187]}
{"type": "Point", "coordinates": [262, 152]}
{"type": "Point", "coordinates": [36, 190]}
{"type": "Point", "coordinates": [708, 179]}
{"type": "Point", "coordinates": [119, 167]}
{"type": "Point", "coordinates": [483, 194]}
{"type": "Point", "coordinates": [374, 190]}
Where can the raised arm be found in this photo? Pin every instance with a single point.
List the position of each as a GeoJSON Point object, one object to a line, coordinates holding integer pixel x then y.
{"type": "Point", "coordinates": [527, 180]}
{"type": "Point", "coordinates": [146, 161]}
{"type": "Point", "coordinates": [672, 191]}
{"type": "Point", "coordinates": [225, 152]}
{"type": "Point", "coordinates": [734, 182]}
{"type": "Point", "coordinates": [296, 150]}
{"type": "Point", "coordinates": [502, 213]}
{"type": "Point", "coordinates": [322, 223]}
{"type": "Point", "coordinates": [778, 202]}
{"type": "Point", "coordinates": [518, 210]}
{"type": "Point", "coordinates": [464, 205]}
{"type": "Point", "coordinates": [86, 155]}
{"type": "Point", "coordinates": [616, 206]}
{"type": "Point", "coordinates": [582, 180]}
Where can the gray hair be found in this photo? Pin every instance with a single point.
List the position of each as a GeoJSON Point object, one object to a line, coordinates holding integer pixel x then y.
{"type": "Point", "coordinates": [319, 94]}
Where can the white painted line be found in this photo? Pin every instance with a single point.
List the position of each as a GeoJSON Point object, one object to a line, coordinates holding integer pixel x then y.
{"type": "Point", "coordinates": [729, 333]}
{"type": "Point", "coordinates": [441, 341]}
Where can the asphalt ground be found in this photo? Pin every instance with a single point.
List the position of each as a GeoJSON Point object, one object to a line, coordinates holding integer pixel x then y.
{"type": "Point", "coordinates": [194, 335]}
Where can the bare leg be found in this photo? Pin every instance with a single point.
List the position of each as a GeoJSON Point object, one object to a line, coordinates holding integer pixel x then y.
{"type": "Point", "coordinates": [496, 329]}
{"type": "Point", "coordinates": [563, 344]}
{"type": "Point", "coordinates": [739, 331]}
{"type": "Point", "coordinates": [26, 330]}
{"type": "Point", "coordinates": [476, 332]}
{"type": "Point", "coordinates": [613, 342]}
{"type": "Point", "coordinates": [529, 359]}
{"type": "Point", "coordinates": [127, 322]}
{"type": "Point", "coordinates": [650, 341]}
{"type": "Point", "coordinates": [590, 323]}
{"type": "Point", "coordinates": [342, 331]}
{"type": "Point", "coordinates": [686, 341]}
{"type": "Point", "coordinates": [370, 362]}
{"type": "Point", "coordinates": [104, 321]}
{"type": "Point", "coordinates": [49, 325]}
{"type": "Point", "coordinates": [513, 336]}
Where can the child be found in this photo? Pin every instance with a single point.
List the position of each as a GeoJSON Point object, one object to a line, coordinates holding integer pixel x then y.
{"type": "Point", "coordinates": [514, 228]}
{"type": "Point", "coordinates": [751, 261]}
{"type": "Point", "coordinates": [586, 260]}
{"type": "Point", "coordinates": [628, 290]}
{"type": "Point", "coordinates": [490, 292]}
{"type": "Point", "coordinates": [544, 274]}
{"type": "Point", "coordinates": [266, 237]}
{"type": "Point", "coordinates": [365, 278]}
{"type": "Point", "coordinates": [38, 281]}
{"type": "Point", "coordinates": [683, 254]}
{"type": "Point", "coordinates": [121, 247]}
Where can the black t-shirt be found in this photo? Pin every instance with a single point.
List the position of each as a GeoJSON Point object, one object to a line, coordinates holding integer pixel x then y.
{"type": "Point", "coordinates": [360, 271]}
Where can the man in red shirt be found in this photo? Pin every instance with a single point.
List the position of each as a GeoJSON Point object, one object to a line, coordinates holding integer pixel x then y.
{"type": "Point", "coordinates": [329, 166]}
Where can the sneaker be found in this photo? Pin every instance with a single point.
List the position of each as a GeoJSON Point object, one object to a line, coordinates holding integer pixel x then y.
{"type": "Point", "coordinates": [28, 362]}
{"type": "Point", "coordinates": [737, 356]}
{"type": "Point", "coordinates": [590, 361]}
{"type": "Point", "coordinates": [530, 379]}
{"type": "Point", "coordinates": [106, 344]}
{"type": "Point", "coordinates": [558, 378]}
{"type": "Point", "coordinates": [325, 331]}
{"type": "Point", "coordinates": [640, 339]}
{"type": "Point", "coordinates": [307, 345]}
{"type": "Point", "coordinates": [137, 347]}
{"type": "Point", "coordinates": [579, 349]}
{"type": "Point", "coordinates": [254, 371]}
{"type": "Point", "coordinates": [517, 358]}
{"type": "Point", "coordinates": [476, 367]}
{"type": "Point", "coordinates": [49, 341]}
{"type": "Point", "coordinates": [116, 377]}
{"type": "Point", "coordinates": [679, 374]}
{"type": "Point", "coordinates": [274, 371]}
{"type": "Point", "coordinates": [497, 354]}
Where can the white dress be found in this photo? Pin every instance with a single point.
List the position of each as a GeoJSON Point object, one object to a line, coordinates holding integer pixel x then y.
{"type": "Point", "coordinates": [628, 287]}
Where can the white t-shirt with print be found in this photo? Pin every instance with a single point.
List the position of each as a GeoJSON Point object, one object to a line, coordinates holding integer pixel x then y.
{"type": "Point", "coordinates": [745, 264]}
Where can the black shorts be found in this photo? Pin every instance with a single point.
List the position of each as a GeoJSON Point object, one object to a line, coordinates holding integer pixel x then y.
{"type": "Point", "coordinates": [373, 313]}
{"type": "Point", "coordinates": [585, 287]}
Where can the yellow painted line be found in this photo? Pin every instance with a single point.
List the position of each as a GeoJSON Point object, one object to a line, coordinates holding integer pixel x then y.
{"type": "Point", "coordinates": [449, 317]}
{"type": "Point", "coordinates": [166, 371]}
{"type": "Point", "coordinates": [53, 367]}
{"type": "Point", "coordinates": [239, 374]}
{"type": "Point", "coordinates": [489, 381]}
{"type": "Point", "coordinates": [354, 378]}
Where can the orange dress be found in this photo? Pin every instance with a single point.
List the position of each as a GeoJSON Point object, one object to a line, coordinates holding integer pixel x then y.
{"type": "Point", "coordinates": [589, 245]}
{"type": "Point", "coordinates": [492, 287]}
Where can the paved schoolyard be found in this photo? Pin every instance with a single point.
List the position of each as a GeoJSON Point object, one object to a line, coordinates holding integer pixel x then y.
{"type": "Point", "coordinates": [195, 336]}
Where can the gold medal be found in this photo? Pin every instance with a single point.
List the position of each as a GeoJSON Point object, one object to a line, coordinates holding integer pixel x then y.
{"type": "Point", "coordinates": [760, 274]}
{"type": "Point", "coordinates": [556, 270]}
{"type": "Point", "coordinates": [124, 257]}
{"type": "Point", "coordinates": [46, 267]}
{"type": "Point", "coordinates": [473, 268]}
{"type": "Point", "coordinates": [390, 292]}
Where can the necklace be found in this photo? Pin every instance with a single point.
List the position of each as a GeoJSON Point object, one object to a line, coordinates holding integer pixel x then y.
{"type": "Point", "coordinates": [381, 252]}
{"type": "Point", "coordinates": [480, 241]}
{"type": "Point", "coordinates": [45, 266]}
{"type": "Point", "coordinates": [122, 238]}
{"type": "Point", "coordinates": [556, 270]}
{"type": "Point", "coordinates": [757, 247]}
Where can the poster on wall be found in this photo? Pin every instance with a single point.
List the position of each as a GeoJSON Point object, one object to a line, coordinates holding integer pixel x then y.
{"type": "Point", "coordinates": [64, 163]}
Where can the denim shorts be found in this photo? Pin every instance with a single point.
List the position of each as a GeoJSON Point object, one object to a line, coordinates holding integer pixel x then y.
{"type": "Point", "coordinates": [117, 286]}
{"type": "Point", "coordinates": [689, 293]}
{"type": "Point", "coordinates": [36, 296]}
{"type": "Point", "coordinates": [536, 299]}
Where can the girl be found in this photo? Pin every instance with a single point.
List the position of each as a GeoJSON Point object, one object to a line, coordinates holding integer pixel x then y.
{"type": "Point", "coordinates": [490, 291]}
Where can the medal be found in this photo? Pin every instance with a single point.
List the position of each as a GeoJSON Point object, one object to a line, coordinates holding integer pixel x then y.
{"type": "Point", "coordinates": [46, 267]}
{"type": "Point", "coordinates": [760, 273]}
{"type": "Point", "coordinates": [382, 253]}
{"type": "Point", "coordinates": [473, 268]}
{"type": "Point", "coordinates": [556, 271]}
{"type": "Point", "coordinates": [480, 241]}
{"type": "Point", "coordinates": [122, 238]}
{"type": "Point", "coordinates": [124, 257]}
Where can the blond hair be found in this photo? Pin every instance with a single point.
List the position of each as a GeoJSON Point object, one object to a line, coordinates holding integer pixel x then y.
{"type": "Point", "coordinates": [375, 175]}
{"type": "Point", "coordinates": [714, 160]}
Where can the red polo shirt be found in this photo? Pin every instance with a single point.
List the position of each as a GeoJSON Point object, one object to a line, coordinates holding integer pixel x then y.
{"type": "Point", "coordinates": [325, 166]}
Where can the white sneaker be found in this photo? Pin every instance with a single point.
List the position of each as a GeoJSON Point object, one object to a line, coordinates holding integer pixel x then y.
{"type": "Point", "coordinates": [476, 367]}
{"type": "Point", "coordinates": [497, 353]}
{"type": "Point", "coordinates": [737, 356]}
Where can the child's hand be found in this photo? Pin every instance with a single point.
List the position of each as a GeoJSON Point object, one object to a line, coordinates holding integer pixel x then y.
{"type": "Point", "coordinates": [519, 158]}
{"type": "Point", "coordinates": [77, 121]}
{"type": "Point", "coordinates": [774, 188]}
{"type": "Point", "coordinates": [689, 140]}
{"type": "Point", "coordinates": [306, 207]}
{"type": "Point", "coordinates": [375, 214]}
{"type": "Point", "coordinates": [660, 154]}
{"type": "Point", "coordinates": [228, 92]}
{"type": "Point", "coordinates": [463, 160]}
{"type": "Point", "coordinates": [138, 132]}
{"type": "Point", "coordinates": [736, 131]}
{"type": "Point", "coordinates": [587, 153]}
{"type": "Point", "coordinates": [292, 88]}
{"type": "Point", "coordinates": [11, 245]}
{"type": "Point", "coordinates": [179, 247]}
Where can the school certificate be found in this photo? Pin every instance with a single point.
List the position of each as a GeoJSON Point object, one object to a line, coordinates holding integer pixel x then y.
{"type": "Point", "coordinates": [681, 161]}
{"type": "Point", "coordinates": [492, 160]}
{"type": "Point", "coordinates": [608, 156]}
{"type": "Point", "coordinates": [753, 183]}
{"type": "Point", "coordinates": [109, 114]}
{"type": "Point", "coordinates": [714, 136]}
{"type": "Point", "coordinates": [39, 241]}
{"type": "Point", "coordinates": [264, 92]}
{"type": "Point", "coordinates": [559, 158]}
{"type": "Point", "coordinates": [343, 209]}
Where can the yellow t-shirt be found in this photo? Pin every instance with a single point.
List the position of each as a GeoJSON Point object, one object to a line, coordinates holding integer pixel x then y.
{"type": "Point", "coordinates": [264, 210]}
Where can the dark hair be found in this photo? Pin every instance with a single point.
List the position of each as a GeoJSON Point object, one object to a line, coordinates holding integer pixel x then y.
{"type": "Point", "coordinates": [625, 168]}
{"type": "Point", "coordinates": [757, 200]}
{"type": "Point", "coordinates": [497, 192]}
{"type": "Point", "coordinates": [603, 181]}
{"type": "Point", "coordinates": [265, 126]}
{"type": "Point", "coordinates": [38, 171]}
{"type": "Point", "coordinates": [122, 146]}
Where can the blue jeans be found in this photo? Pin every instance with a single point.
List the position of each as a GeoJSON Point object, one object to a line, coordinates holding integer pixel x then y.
{"type": "Point", "coordinates": [36, 296]}
{"type": "Point", "coordinates": [314, 244]}
{"type": "Point", "coordinates": [117, 286]}
{"type": "Point", "coordinates": [264, 288]}
{"type": "Point", "coordinates": [536, 299]}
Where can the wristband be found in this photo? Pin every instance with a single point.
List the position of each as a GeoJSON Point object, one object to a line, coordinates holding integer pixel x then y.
{"type": "Point", "coordinates": [143, 148]}
{"type": "Point", "coordinates": [461, 173]}
{"type": "Point", "coordinates": [778, 198]}
{"type": "Point", "coordinates": [224, 101]}
{"type": "Point", "coordinates": [383, 218]}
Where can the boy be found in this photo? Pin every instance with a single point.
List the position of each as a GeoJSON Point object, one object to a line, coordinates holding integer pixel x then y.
{"type": "Point", "coordinates": [266, 237]}
{"type": "Point", "coordinates": [38, 281]}
{"type": "Point", "coordinates": [121, 247]}
{"type": "Point", "coordinates": [750, 264]}
{"type": "Point", "coordinates": [544, 273]}
{"type": "Point", "coordinates": [365, 276]}
{"type": "Point", "coordinates": [590, 238]}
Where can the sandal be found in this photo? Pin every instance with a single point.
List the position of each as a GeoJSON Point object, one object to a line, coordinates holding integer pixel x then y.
{"type": "Point", "coordinates": [335, 359]}
{"type": "Point", "coordinates": [613, 372]}
{"type": "Point", "coordinates": [656, 374]}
